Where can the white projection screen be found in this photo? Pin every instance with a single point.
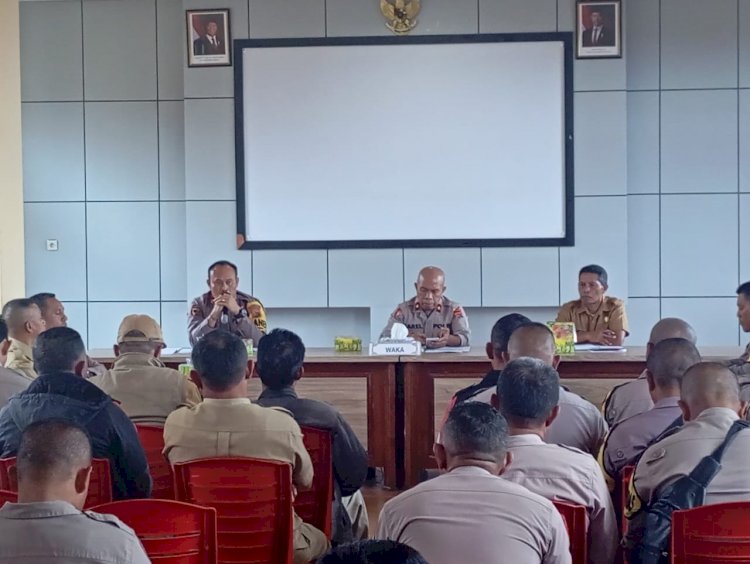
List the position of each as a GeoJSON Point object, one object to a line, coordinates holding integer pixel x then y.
{"type": "Point", "coordinates": [404, 142]}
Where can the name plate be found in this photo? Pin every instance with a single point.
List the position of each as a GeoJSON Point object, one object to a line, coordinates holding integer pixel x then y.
{"type": "Point", "coordinates": [394, 347]}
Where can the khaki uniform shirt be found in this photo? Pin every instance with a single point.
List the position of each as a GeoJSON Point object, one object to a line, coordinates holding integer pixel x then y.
{"type": "Point", "coordinates": [676, 455]}
{"type": "Point", "coordinates": [567, 474]}
{"type": "Point", "coordinates": [55, 531]}
{"type": "Point", "coordinates": [11, 382]}
{"type": "Point", "coordinates": [251, 326]}
{"type": "Point", "coordinates": [20, 359]}
{"type": "Point", "coordinates": [626, 400]}
{"type": "Point", "coordinates": [469, 515]}
{"type": "Point", "coordinates": [610, 315]}
{"type": "Point", "coordinates": [146, 390]}
{"type": "Point", "coordinates": [447, 314]}
{"type": "Point", "coordinates": [627, 440]}
{"type": "Point", "coordinates": [741, 366]}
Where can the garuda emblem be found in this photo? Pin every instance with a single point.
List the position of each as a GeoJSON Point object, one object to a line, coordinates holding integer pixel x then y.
{"type": "Point", "coordinates": [401, 15]}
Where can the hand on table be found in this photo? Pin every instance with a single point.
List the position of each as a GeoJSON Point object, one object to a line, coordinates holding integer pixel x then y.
{"type": "Point", "coordinates": [603, 337]}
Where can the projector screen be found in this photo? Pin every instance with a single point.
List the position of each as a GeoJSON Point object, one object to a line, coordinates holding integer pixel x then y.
{"type": "Point", "coordinates": [428, 141]}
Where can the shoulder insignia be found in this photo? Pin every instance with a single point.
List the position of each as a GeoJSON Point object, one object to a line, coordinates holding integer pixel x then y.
{"type": "Point", "coordinates": [397, 313]}
{"type": "Point", "coordinates": [657, 454]}
{"type": "Point", "coordinates": [458, 312]}
{"type": "Point", "coordinates": [195, 311]}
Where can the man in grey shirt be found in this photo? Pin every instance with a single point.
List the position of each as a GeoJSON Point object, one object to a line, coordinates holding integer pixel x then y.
{"type": "Point", "coordinates": [11, 382]}
{"type": "Point", "coordinates": [47, 524]}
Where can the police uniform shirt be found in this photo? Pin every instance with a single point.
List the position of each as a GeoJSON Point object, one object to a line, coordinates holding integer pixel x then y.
{"type": "Point", "coordinates": [469, 515]}
{"type": "Point", "coordinates": [250, 323]}
{"type": "Point", "coordinates": [55, 531]}
{"type": "Point", "coordinates": [11, 383]}
{"type": "Point", "coordinates": [146, 390]}
{"type": "Point", "coordinates": [626, 400]}
{"type": "Point", "coordinates": [446, 314]}
{"type": "Point", "coordinates": [741, 366]}
{"type": "Point", "coordinates": [237, 427]}
{"type": "Point", "coordinates": [679, 453]}
{"type": "Point", "coordinates": [20, 359]}
{"type": "Point", "coordinates": [610, 315]}
{"type": "Point", "coordinates": [567, 474]}
{"type": "Point", "coordinates": [627, 440]}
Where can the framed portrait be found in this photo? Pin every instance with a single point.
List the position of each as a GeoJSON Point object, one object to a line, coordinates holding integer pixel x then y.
{"type": "Point", "coordinates": [598, 29]}
{"type": "Point", "coordinates": [209, 38]}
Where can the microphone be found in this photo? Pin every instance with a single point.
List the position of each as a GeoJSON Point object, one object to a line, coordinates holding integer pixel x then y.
{"type": "Point", "coordinates": [224, 316]}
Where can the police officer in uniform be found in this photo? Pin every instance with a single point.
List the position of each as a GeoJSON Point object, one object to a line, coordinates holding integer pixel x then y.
{"type": "Point", "coordinates": [431, 318]}
{"type": "Point", "coordinates": [741, 366]}
{"type": "Point", "coordinates": [598, 318]}
{"type": "Point", "coordinates": [224, 307]}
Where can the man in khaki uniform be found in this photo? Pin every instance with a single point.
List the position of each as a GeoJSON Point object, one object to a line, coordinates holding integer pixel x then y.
{"type": "Point", "coordinates": [667, 364]}
{"type": "Point", "coordinates": [633, 397]}
{"type": "Point", "coordinates": [470, 513]}
{"type": "Point", "coordinates": [146, 390]}
{"type": "Point", "coordinates": [227, 423]}
{"type": "Point", "coordinates": [527, 395]}
{"type": "Point", "coordinates": [598, 318]}
{"type": "Point", "coordinates": [25, 323]}
{"type": "Point", "coordinates": [47, 524]}
{"type": "Point", "coordinates": [11, 382]}
{"type": "Point", "coordinates": [430, 317]}
{"type": "Point", "coordinates": [224, 307]}
{"type": "Point", "coordinates": [710, 403]}
{"type": "Point", "coordinates": [741, 366]}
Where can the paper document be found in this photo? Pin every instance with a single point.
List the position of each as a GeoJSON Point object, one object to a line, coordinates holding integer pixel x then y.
{"type": "Point", "coordinates": [449, 350]}
{"type": "Point", "coordinates": [588, 347]}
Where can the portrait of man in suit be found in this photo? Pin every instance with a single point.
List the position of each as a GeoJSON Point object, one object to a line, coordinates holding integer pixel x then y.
{"type": "Point", "coordinates": [598, 29]}
{"type": "Point", "coordinates": [208, 38]}
{"type": "Point", "coordinates": [599, 33]}
{"type": "Point", "coordinates": [211, 43]}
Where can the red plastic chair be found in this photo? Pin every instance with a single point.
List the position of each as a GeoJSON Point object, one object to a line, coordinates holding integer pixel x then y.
{"type": "Point", "coordinates": [100, 483]}
{"type": "Point", "coordinates": [576, 523]}
{"type": "Point", "coordinates": [314, 505]}
{"type": "Point", "coordinates": [152, 440]}
{"type": "Point", "coordinates": [712, 534]}
{"type": "Point", "coordinates": [170, 531]}
{"type": "Point", "coordinates": [253, 502]}
{"type": "Point", "coordinates": [7, 497]}
{"type": "Point", "coordinates": [625, 478]}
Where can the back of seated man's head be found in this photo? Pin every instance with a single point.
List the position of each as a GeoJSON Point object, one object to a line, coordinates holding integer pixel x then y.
{"type": "Point", "coordinates": [24, 319]}
{"type": "Point", "coordinates": [708, 385]}
{"type": "Point", "coordinates": [372, 552]}
{"type": "Point", "coordinates": [475, 434]}
{"type": "Point", "coordinates": [220, 360]}
{"type": "Point", "coordinates": [527, 393]}
{"type": "Point", "coordinates": [279, 359]}
{"type": "Point", "coordinates": [534, 340]}
{"type": "Point", "coordinates": [502, 330]}
{"type": "Point", "coordinates": [60, 349]}
{"type": "Point", "coordinates": [668, 362]}
{"type": "Point", "coordinates": [53, 463]}
{"type": "Point", "coordinates": [139, 334]}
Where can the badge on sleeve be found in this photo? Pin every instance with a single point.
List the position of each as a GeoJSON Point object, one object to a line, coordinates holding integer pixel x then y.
{"type": "Point", "coordinates": [195, 311]}
{"type": "Point", "coordinates": [397, 313]}
{"type": "Point", "coordinates": [458, 312]}
{"type": "Point", "coordinates": [634, 503]}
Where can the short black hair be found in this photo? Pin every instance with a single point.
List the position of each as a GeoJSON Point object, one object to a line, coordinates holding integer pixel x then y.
{"type": "Point", "coordinates": [41, 298]}
{"type": "Point", "coordinates": [372, 552]}
{"type": "Point", "coordinates": [503, 329]}
{"type": "Point", "coordinates": [744, 289]}
{"type": "Point", "coordinates": [528, 389]}
{"type": "Point", "coordinates": [670, 359]}
{"type": "Point", "coordinates": [12, 306]}
{"type": "Point", "coordinates": [221, 360]}
{"type": "Point", "coordinates": [594, 269]}
{"type": "Point", "coordinates": [52, 450]}
{"type": "Point", "coordinates": [475, 428]}
{"type": "Point", "coordinates": [57, 350]}
{"type": "Point", "coordinates": [280, 357]}
{"type": "Point", "coordinates": [3, 330]}
{"type": "Point", "coordinates": [223, 263]}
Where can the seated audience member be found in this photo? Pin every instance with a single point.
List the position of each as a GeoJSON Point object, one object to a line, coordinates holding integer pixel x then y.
{"type": "Point", "coordinates": [146, 390]}
{"type": "Point", "coordinates": [227, 423]}
{"type": "Point", "coordinates": [47, 524]}
{"type": "Point", "coordinates": [53, 313]}
{"type": "Point", "coordinates": [527, 394]}
{"type": "Point", "coordinates": [61, 392]}
{"type": "Point", "coordinates": [372, 552]}
{"type": "Point", "coordinates": [598, 318]}
{"type": "Point", "coordinates": [579, 423]}
{"type": "Point", "coordinates": [665, 367]}
{"type": "Point", "coordinates": [633, 397]}
{"type": "Point", "coordinates": [279, 365]}
{"type": "Point", "coordinates": [741, 366]}
{"type": "Point", "coordinates": [25, 323]}
{"type": "Point", "coordinates": [710, 404]}
{"type": "Point", "coordinates": [11, 382]}
{"type": "Point", "coordinates": [470, 513]}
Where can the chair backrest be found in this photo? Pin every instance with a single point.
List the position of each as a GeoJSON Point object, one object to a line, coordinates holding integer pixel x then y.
{"type": "Point", "coordinates": [171, 532]}
{"type": "Point", "coordinates": [7, 496]}
{"type": "Point", "coordinates": [152, 440]}
{"type": "Point", "coordinates": [712, 534]}
{"type": "Point", "coordinates": [253, 502]}
{"type": "Point", "coordinates": [314, 506]}
{"type": "Point", "coordinates": [100, 483]}
{"type": "Point", "coordinates": [625, 478]}
{"type": "Point", "coordinates": [575, 520]}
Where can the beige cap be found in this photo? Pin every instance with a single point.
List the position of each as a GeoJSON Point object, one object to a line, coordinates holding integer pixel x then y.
{"type": "Point", "coordinates": [143, 324]}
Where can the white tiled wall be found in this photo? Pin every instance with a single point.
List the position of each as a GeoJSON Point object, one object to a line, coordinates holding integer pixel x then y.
{"type": "Point", "coordinates": [129, 163]}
